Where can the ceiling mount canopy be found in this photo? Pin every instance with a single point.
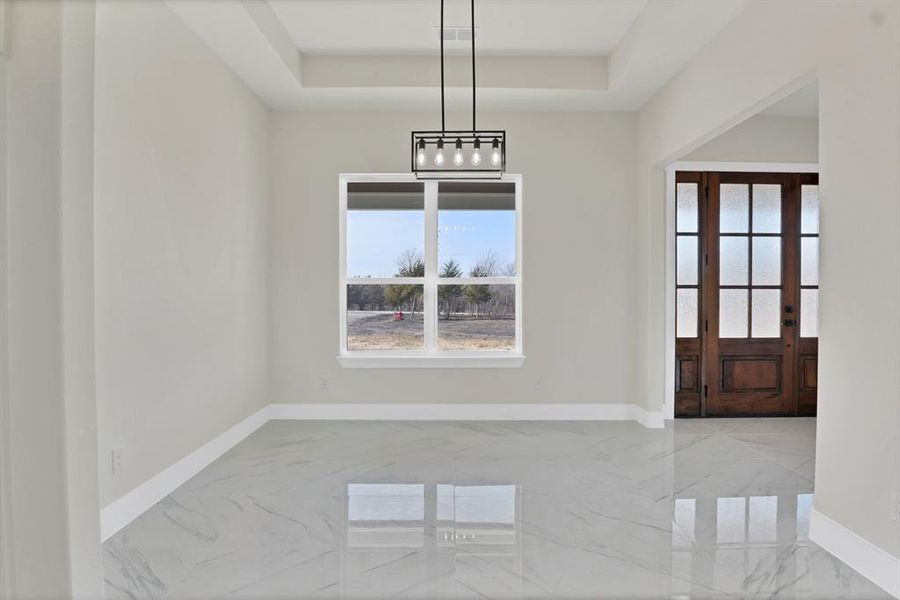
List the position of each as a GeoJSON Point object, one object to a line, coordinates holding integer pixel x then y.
{"type": "Point", "coordinates": [470, 153]}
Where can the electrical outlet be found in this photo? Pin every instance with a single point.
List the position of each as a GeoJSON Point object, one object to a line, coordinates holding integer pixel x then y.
{"type": "Point", "coordinates": [323, 384]}
{"type": "Point", "coordinates": [538, 385]}
{"type": "Point", "coordinates": [117, 459]}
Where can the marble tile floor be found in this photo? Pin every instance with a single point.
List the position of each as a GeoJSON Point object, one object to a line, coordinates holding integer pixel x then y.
{"type": "Point", "coordinates": [325, 509]}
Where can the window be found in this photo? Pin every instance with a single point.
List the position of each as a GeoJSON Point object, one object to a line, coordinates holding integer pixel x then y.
{"type": "Point", "coordinates": [687, 254]}
{"type": "Point", "coordinates": [809, 261]}
{"type": "Point", "coordinates": [430, 272]}
{"type": "Point", "coordinates": [750, 260]}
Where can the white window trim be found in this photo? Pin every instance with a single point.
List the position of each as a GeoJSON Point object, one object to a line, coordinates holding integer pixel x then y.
{"type": "Point", "coordinates": [430, 357]}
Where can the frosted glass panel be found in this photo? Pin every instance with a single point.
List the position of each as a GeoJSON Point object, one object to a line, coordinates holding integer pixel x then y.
{"type": "Point", "coordinates": [686, 314]}
{"type": "Point", "coordinates": [766, 315]}
{"type": "Point", "coordinates": [809, 261]}
{"type": "Point", "coordinates": [687, 260]}
{"type": "Point", "coordinates": [732, 313]}
{"type": "Point", "coordinates": [733, 261]}
{"type": "Point", "coordinates": [687, 206]}
{"type": "Point", "coordinates": [809, 313]}
{"type": "Point", "coordinates": [809, 209]}
{"type": "Point", "coordinates": [766, 261]}
{"type": "Point", "coordinates": [734, 207]}
{"type": "Point", "coordinates": [766, 208]}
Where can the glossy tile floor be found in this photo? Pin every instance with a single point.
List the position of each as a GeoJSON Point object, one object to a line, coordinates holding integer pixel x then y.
{"type": "Point", "coordinates": [703, 509]}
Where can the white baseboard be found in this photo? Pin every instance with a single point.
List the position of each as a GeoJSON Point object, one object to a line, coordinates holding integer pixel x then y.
{"type": "Point", "coordinates": [650, 419]}
{"type": "Point", "coordinates": [123, 511]}
{"type": "Point", "coordinates": [877, 565]}
{"type": "Point", "coordinates": [466, 412]}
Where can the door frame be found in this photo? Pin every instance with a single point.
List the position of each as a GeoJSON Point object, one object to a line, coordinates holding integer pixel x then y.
{"type": "Point", "coordinates": [668, 403]}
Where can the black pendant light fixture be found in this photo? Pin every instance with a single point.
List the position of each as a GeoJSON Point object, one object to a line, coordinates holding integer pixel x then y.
{"type": "Point", "coordinates": [474, 153]}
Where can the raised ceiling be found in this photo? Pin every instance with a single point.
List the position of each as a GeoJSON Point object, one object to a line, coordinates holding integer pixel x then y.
{"type": "Point", "coordinates": [522, 27]}
{"type": "Point", "coordinates": [381, 55]}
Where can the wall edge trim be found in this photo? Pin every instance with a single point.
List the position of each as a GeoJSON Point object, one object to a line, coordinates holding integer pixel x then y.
{"type": "Point", "coordinates": [878, 566]}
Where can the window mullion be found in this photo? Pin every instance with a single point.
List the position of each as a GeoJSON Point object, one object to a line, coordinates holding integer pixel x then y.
{"type": "Point", "coordinates": [431, 265]}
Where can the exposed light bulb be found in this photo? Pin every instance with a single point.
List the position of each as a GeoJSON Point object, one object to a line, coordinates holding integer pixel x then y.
{"type": "Point", "coordinates": [495, 153]}
{"type": "Point", "coordinates": [458, 155]}
{"type": "Point", "coordinates": [420, 154]}
{"type": "Point", "coordinates": [439, 155]}
{"type": "Point", "coordinates": [476, 154]}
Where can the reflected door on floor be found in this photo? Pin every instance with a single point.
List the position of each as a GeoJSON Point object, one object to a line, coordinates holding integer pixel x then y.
{"type": "Point", "coordinates": [747, 294]}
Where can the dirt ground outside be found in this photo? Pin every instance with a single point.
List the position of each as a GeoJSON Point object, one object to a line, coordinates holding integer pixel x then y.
{"type": "Point", "coordinates": [377, 330]}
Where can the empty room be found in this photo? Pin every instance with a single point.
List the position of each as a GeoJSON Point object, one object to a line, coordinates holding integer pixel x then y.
{"type": "Point", "coordinates": [449, 299]}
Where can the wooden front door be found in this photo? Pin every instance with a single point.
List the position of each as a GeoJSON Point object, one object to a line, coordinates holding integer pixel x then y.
{"type": "Point", "coordinates": [747, 294]}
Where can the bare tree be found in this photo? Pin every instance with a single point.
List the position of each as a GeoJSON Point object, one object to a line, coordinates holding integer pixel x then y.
{"type": "Point", "coordinates": [410, 263]}
{"type": "Point", "coordinates": [488, 265]}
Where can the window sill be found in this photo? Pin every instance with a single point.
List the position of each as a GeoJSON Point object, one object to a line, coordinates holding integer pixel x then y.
{"type": "Point", "coordinates": [504, 361]}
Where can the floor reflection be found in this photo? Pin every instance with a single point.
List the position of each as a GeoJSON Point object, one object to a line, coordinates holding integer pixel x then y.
{"type": "Point", "coordinates": [431, 531]}
{"type": "Point", "coordinates": [340, 511]}
{"type": "Point", "coordinates": [731, 543]}
{"type": "Point", "coordinates": [469, 518]}
{"type": "Point", "coordinates": [742, 543]}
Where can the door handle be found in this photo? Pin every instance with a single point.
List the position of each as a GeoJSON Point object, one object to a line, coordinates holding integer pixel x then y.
{"type": "Point", "coordinates": [789, 323]}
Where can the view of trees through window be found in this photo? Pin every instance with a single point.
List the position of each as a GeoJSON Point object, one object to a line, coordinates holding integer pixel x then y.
{"type": "Point", "coordinates": [470, 316]}
{"type": "Point", "coordinates": [473, 243]}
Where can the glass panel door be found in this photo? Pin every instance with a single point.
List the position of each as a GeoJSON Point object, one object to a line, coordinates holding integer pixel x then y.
{"type": "Point", "coordinates": [746, 293]}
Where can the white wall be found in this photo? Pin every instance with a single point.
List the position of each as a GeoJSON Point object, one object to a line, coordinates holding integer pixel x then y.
{"type": "Point", "coordinates": [579, 215]}
{"type": "Point", "coordinates": [182, 186]}
{"type": "Point", "coordinates": [768, 51]}
{"type": "Point", "coordinates": [50, 517]}
{"type": "Point", "coordinates": [764, 138]}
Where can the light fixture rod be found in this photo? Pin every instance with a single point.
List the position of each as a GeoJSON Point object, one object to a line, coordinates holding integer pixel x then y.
{"type": "Point", "coordinates": [464, 142]}
{"type": "Point", "coordinates": [473, 64]}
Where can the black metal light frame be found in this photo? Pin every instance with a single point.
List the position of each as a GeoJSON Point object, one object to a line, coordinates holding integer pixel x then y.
{"type": "Point", "coordinates": [450, 138]}
{"type": "Point", "coordinates": [468, 137]}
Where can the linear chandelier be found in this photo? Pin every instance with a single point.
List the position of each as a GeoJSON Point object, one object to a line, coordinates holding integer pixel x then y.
{"type": "Point", "coordinates": [459, 153]}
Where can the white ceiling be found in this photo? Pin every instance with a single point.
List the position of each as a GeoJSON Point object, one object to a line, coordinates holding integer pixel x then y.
{"type": "Point", "coordinates": [529, 27]}
{"type": "Point", "coordinates": [802, 103]}
{"type": "Point", "coordinates": [381, 54]}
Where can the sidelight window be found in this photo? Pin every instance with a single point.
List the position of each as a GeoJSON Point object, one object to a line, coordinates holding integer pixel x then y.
{"type": "Point", "coordinates": [687, 259]}
{"type": "Point", "coordinates": [809, 261]}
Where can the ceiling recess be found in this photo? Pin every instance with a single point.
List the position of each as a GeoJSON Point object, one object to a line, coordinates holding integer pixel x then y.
{"type": "Point", "coordinates": [458, 34]}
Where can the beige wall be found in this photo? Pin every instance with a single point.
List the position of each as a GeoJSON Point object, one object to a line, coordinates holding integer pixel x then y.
{"type": "Point", "coordinates": [858, 445]}
{"type": "Point", "coordinates": [764, 138]}
{"type": "Point", "coordinates": [48, 502]}
{"type": "Point", "coordinates": [579, 179]}
{"type": "Point", "coordinates": [181, 255]}
{"type": "Point", "coordinates": [767, 51]}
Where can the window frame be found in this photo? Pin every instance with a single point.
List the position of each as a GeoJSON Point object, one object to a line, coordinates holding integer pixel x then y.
{"type": "Point", "coordinates": [430, 356]}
